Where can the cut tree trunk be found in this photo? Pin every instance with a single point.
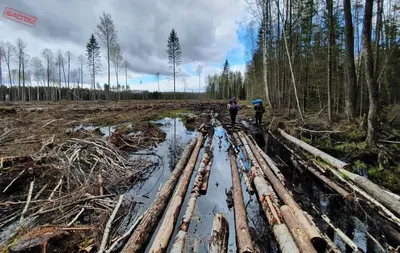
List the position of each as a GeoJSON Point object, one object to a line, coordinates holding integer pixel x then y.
{"type": "Point", "coordinates": [204, 186]}
{"type": "Point", "coordinates": [268, 201]}
{"type": "Point", "coordinates": [243, 238]}
{"type": "Point", "coordinates": [270, 163]}
{"type": "Point", "coordinates": [316, 152]}
{"type": "Point", "coordinates": [166, 229]}
{"type": "Point", "coordinates": [298, 234]}
{"type": "Point", "coordinates": [149, 222]}
{"type": "Point", "coordinates": [375, 191]}
{"type": "Point", "coordinates": [179, 242]}
{"type": "Point", "coordinates": [311, 231]}
{"type": "Point", "coordinates": [219, 235]}
{"type": "Point", "coordinates": [348, 196]}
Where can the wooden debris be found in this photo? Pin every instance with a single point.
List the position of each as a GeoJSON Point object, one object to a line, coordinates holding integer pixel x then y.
{"type": "Point", "coordinates": [167, 226]}
{"type": "Point", "coordinates": [204, 186]}
{"type": "Point", "coordinates": [345, 194]}
{"type": "Point", "coordinates": [8, 186]}
{"type": "Point", "coordinates": [342, 235]}
{"type": "Point", "coordinates": [76, 217]}
{"type": "Point", "coordinates": [243, 238]}
{"type": "Point", "coordinates": [179, 242]}
{"type": "Point", "coordinates": [109, 224]}
{"type": "Point", "coordinates": [219, 235]}
{"type": "Point", "coordinates": [28, 200]}
{"type": "Point", "coordinates": [148, 224]}
{"type": "Point", "coordinates": [375, 191]}
{"type": "Point", "coordinates": [311, 231]}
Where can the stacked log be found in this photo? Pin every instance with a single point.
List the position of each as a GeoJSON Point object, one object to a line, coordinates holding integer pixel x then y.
{"type": "Point", "coordinates": [243, 238]}
{"type": "Point", "coordinates": [166, 229]}
{"type": "Point", "coordinates": [268, 201]}
{"type": "Point", "coordinates": [149, 222]}
{"type": "Point", "coordinates": [311, 231]}
{"type": "Point", "coordinates": [179, 242]}
{"type": "Point", "coordinates": [345, 194]}
{"type": "Point", "coordinates": [375, 191]}
{"type": "Point", "coordinates": [219, 235]}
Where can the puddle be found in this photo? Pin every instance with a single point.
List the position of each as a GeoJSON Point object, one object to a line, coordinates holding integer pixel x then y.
{"type": "Point", "coordinates": [106, 131]}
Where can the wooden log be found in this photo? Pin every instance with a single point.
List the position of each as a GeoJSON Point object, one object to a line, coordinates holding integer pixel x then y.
{"type": "Point", "coordinates": [243, 238]}
{"type": "Point", "coordinates": [204, 186]}
{"type": "Point", "coordinates": [345, 194]}
{"type": "Point", "coordinates": [166, 229]}
{"type": "Point", "coordinates": [342, 235]}
{"type": "Point", "coordinates": [247, 181]}
{"type": "Point", "coordinates": [219, 235]}
{"type": "Point", "coordinates": [109, 224]}
{"type": "Point", "coordinates": [298, 234]}
{"type": "Point", "coordinates": [311, 231]}
{"type": "Point", "coordinates": [316, 152]}
{"type": "Point", "coordinates": [268, 201]}
{"type": "Point", "coordinates": [388, 214]}
{"type": "Point", "coordinates": [179, 242]}
{"type": "Point", "coordinates": [270, 162]}
{"type": "Point", "coordinates": [375, 191]}
{"type": "Point", "coordinates": [140, 237]}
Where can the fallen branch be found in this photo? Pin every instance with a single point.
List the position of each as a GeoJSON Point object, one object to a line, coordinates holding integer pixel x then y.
{"type": "Point", "coordinates": [319, 132]}
{"type": "Point", "coordinates": [56, 188]}
{"type": "Point", "coordinates": [109, 224]}
{"type": "Point", "coordinates": [40, 192]}
{"type": "Point", "coordinates": [76, 217]}
{"type": "Point", "coordinates": [27, 201]}
{"type": "Point", "coordinates": [8, 186]}
{"type": "Point", "coordinates": [342, 235]}
{"type": "Point", "coordinates": [126, 234]}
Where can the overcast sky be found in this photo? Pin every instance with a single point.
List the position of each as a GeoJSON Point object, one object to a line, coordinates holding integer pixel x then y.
{"type": "Point", "coordinates": [208, 31]}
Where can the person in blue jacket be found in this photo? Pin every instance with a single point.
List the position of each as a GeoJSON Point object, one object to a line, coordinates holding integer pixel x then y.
{"type": "Point", "coordinates": [259, 110]}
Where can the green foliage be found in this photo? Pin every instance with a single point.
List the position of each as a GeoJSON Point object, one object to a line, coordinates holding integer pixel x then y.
{"type": "Point", "coordinates": [388, 178]}
{"type": "Point", "coordinates": [173, 114]}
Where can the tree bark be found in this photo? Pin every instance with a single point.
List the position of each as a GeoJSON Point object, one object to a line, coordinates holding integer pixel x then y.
{"type": "Point", "coordinates": [370, 79]}
{"type": "Point", "coordinates": [243, 238]}
{"type": "Point", "coordinates": [329, 6]}
{"type": "Point", "coordinates": [351, 94]}
{"type": "Point", "coordinates": [142, 234]}
{"type": "Point", "coordinates": [166, 229]}
{"type": "Point", "coordinates": [219, 235]}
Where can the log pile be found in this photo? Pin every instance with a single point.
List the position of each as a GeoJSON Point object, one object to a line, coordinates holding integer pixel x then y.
{"type": "Point", "coordinates": [149, 222]}
{"type": "Point", "coordinates": [206, 161]}
{"type": "Point", "coordinates": [388, 203]}
{"type": "Point", "coordinates": [309, 230]}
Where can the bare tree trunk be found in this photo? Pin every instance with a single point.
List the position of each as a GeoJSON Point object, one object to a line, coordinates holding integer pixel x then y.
{"type": "Point", "coordinates": [265, 47]}
{"type": "Point", "coordinates": [351, 94]}
{"type": "Point", "coordinates": [148, 224]}
{"type": "Point", "coordinates": [373, 92]}
{"type": "Point", "coordinates": [292, 73]}
{"type": "Point", "coordinates": [243, 238]}
{"type": "Point", "coordinates": [329, 6]}
{"type": "Point", "coordinates": [377, 41]}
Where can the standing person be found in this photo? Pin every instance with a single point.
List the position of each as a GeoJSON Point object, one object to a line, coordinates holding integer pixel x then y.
{"type": "Point", "coordinates": [233, 108]}
{"type": "Point", "coordinates": [259, 109]}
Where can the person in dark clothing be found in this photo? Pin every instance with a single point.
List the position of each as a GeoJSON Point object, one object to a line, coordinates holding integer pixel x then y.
{"type": "Point", "coordinates": [233, 108]}
{"type": "Point", "coordinates": [259, 109]}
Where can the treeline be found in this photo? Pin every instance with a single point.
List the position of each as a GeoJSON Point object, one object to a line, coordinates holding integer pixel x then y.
{"type": "Point", "coordinates": [330, 56]}
{"type": "Point", "coordinates": [63, 76]}
{"type": "Point", "coordinates": [226, 84]}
